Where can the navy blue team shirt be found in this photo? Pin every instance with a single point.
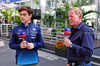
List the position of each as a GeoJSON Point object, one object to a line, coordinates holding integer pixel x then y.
{"type": "Point", "coordinates": [82, 38]}
{"type": "Point", "coordinates": [33, 35]}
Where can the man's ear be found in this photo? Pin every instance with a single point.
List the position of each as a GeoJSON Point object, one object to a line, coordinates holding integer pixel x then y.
{"type": "Point", "coordinates": [30, 15]}
{"type": "Point", "coordinates": [80, 16]}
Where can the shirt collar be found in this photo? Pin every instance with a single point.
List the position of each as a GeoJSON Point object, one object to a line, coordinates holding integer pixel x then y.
{"type": "Point", "coordinates": [79, 26]}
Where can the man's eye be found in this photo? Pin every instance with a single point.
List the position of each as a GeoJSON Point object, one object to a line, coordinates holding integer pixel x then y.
{"type": "Point", "coordinates": [24, 14]}
{"type": "Point", "coordinates": [20, 14]}
{"type": "Point", "coordinates": [72, 16]}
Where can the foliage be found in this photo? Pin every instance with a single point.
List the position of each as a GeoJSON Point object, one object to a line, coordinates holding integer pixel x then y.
{"type": "Point", "coordinates": [8, 15]}
{"type": "Point", "coordinates": [60, 45]}
{"type": "Point", "coordinates": [36, 1]}
{"type": "Point", "coordinates": [63, 20]}
{"type": "Point", "coordinates": [5, 13]}
{"type": "Point", "coordinates": [54, 31]}
{"type": "Point", "coordinates": [45, 18]}
{"type": "Point", "coordinates": [80, 4]}
{"type": "Point", "coordinates": [64, 14]}
{"type": "Point", "coordinates": [65, 8]}
{"type": "Point", "coordinates": [17, 18]}
{"type": "Point", "coordinates": [84, 3]}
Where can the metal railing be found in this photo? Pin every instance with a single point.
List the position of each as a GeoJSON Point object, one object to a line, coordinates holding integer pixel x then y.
{"type": "Point", "coordinates": [50, 37]}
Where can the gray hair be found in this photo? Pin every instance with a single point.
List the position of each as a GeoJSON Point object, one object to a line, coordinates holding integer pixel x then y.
{"type": "Point", "coordinates": [77, 10]}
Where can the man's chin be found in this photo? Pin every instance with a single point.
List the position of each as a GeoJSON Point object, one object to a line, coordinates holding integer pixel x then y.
{"type": "Point", "coordinates": [71, 25]}
{"type": "Point", "coordinates": [23, 22]}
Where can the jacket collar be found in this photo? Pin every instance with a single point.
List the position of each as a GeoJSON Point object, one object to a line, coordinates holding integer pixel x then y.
{"type": "Point", "coordinates": [79, 26]}
{"type": "Point", "coordinates": [23, 25]}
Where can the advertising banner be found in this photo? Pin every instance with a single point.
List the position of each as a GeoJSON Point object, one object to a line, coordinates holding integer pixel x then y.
{"type": "Point", "coordinates": [2, 1]}
{"type": "Point", "coordinates": [14, 0]}
{"type": "Point", "coordinates": [8, 1]}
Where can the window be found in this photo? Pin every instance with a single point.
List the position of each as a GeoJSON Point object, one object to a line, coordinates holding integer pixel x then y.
{"type": "Point", "coordinates": [92, 1]}
{"type": "Point", "coordinates": [48, 3]}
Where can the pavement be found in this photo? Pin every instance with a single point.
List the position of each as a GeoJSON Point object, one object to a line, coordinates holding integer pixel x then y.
{"type": "Point", "coordinates": [46, 57]}
{"type": "Point", "coordinates": [96, 44]}
{"type": "Point", "coordinates": [96, 52]}
{"type": "Point", "coordinates": [7, 56]}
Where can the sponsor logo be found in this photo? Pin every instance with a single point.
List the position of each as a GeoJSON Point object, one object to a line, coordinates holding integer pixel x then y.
{"type": "Point", "coordinates": [34, 29]}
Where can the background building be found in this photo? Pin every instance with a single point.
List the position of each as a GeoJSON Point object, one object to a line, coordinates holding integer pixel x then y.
{"type": "Point", "coordinates": [47, 5]}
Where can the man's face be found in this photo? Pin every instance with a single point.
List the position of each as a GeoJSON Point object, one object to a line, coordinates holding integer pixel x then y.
{"type": "Point", "coordinates": [25, 17]}
{"type": "Point", "coordinates": [74, 19]}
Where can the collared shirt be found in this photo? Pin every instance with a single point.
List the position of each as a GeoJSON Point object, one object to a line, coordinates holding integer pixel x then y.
{"type": "Point", "coordinates": [82, 38]}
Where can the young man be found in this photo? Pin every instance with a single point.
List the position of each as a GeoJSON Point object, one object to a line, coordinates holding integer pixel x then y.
{"type": "Point", "coordinates": [80, 42]}
{"type": "Point", "coordinates": [26, 51]}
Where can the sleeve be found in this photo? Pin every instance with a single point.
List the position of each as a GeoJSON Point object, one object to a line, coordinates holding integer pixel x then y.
{"type": "Point", "coordinates": [39, 42]}
{"type": "Point", "coordinates": [86, 48]}
{"type": "Point", "coordinates": [13, 41]}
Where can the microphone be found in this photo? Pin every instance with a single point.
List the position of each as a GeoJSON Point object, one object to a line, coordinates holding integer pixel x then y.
{"type": "Point", "coordinates": [23, 34]}
{"type": "Point", "coordinates": [67, 31]}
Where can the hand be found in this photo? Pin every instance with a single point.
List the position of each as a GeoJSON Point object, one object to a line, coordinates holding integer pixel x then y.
{"type": "Point", "coordinates": [30, 45]}
{"type": "Point", "coordinates": [67, 42]}
{"type": "Point", "coordinates": [23, 45]}
{"type": "Point", "coordinates": [67, 65]}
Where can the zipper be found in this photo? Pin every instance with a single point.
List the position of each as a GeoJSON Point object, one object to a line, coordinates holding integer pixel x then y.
{"type": "Point", "coordinates": [27, 29]}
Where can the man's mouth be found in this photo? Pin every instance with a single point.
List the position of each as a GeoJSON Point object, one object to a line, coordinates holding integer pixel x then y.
{"type": "Point", "coordinates": [22, 19]}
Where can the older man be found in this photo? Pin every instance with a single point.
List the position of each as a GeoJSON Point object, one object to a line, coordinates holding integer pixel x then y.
{"type": "Point", "coordinates": [80, 42]}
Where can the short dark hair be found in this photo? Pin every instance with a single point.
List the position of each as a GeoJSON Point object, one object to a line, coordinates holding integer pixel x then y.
{"type": "Point", "coordinates": [28, 9]}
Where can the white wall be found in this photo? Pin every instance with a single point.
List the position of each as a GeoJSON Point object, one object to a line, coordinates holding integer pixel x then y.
{"type": "Point", "coordinates": [91, 15]}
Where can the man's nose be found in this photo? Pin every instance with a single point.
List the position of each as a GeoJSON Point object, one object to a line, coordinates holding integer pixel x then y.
{"type": "Point", "coordinates": [22, 15]}
{"type": "Point", "coordinates": [69, 18]}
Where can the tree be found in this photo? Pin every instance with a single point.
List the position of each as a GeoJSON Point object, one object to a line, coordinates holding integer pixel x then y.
{"type": "Point", "coordinates": [64, 10]}
{"type": "Point", "coordinates": [64, 14]}
{"type": "Point", "coordinates": [17, 18]}
{"type": "Point", "coordinates": [84, 3]}
{"type": "Point", "coordinates": [8, 15]}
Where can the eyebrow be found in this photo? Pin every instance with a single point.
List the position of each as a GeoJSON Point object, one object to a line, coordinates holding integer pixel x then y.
{"type": "Point", "coordinates": [23, 14]}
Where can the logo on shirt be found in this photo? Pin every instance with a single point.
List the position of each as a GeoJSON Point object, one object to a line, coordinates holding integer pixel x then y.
{"type": "Point", "coordinates": [34, 29]}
